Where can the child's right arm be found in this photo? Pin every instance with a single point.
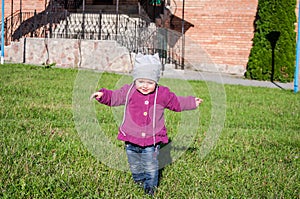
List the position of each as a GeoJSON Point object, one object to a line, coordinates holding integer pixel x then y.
{"type": "Point", "coordinates": [111, 97]}
{"type": "Point", "coordinates": [96, 95]}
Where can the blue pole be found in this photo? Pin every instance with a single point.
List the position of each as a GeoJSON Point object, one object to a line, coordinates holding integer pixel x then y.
{"type": "Point", "coordinates": [2, 34]}
{"type": "Point", "coordinates": [297, 55]}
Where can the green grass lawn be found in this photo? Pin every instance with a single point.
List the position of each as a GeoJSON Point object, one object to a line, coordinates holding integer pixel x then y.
{"type": "Point", "coordinates": [43, 155]}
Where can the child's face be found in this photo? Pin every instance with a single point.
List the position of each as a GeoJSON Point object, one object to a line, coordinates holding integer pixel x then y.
{"type": "Point", "coordinates": [145, 86]}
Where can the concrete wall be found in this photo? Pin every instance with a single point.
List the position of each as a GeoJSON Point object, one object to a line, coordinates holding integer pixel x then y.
{"type": "Point", "coordinates": [71, 53]}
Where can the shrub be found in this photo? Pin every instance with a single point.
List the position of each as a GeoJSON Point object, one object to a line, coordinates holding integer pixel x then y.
{"type": "Point", "coordinates": [273, 54]}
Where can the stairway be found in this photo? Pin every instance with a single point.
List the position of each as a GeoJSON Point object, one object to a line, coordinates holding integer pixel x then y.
{"type": "Point", "coordinates": [130, 32]}
{"type": "Point", "coordinates": [131, 10]}
{"type": "Point", "coordinates": [87, 26]}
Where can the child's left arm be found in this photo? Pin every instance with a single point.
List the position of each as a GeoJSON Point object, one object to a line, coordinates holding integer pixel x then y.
{"type": "Point", "coordinates": [198, 101]}
{"type": "Point", "coordinates": [182, 103]}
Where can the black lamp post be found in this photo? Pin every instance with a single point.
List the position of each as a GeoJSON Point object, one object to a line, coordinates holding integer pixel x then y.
{"type": "Point", "coordinates": [182, 37]}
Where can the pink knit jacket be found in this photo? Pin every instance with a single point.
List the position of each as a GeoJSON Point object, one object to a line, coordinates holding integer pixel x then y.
{"type": "Point", "coordinates": [143, 122]}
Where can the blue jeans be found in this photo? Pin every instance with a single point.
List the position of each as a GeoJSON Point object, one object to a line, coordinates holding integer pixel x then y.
{"type": "Point", "coordinates": [143, 162]}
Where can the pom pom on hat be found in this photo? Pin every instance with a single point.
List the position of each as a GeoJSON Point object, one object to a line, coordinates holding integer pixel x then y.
{"type": "Point", "coordinates": [147, 66]}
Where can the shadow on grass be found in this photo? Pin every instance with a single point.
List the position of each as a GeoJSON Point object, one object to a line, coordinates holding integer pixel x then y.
{"type": "Point", "coordinates": [166, 158]}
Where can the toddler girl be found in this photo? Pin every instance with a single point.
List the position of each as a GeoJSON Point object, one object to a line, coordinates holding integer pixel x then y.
{"type": "Point", "coordinates": [143, 126]}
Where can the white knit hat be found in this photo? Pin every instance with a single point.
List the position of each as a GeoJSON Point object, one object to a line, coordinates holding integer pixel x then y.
{"type": "Point", "coordinates": [147, 66]}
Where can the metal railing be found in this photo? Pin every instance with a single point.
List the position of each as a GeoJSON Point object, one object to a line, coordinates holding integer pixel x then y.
{"type": "Point", "coordinates": [137, 34]}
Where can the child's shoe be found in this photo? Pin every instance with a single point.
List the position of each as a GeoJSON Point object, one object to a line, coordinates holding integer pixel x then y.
{"type": "Point", "coordinates": [149, 191]}
{"type": "Point", "coordinates": [139, 183]}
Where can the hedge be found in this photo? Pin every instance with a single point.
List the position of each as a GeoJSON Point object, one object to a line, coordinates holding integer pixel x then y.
{"type": "Point", "coordinates": [273, 53]}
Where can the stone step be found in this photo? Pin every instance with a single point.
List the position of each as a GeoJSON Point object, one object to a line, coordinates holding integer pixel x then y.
{"type": "Point", "coordinates": [93, 20]}
{"type": "Point", "coordinates": [126, 9]}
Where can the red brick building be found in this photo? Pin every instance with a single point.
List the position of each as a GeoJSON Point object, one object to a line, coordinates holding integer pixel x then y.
{"type": "Point", "coordinates": [223, 30]}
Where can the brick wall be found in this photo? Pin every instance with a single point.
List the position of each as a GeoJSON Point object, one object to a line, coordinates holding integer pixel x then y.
{"type": "Point", "coordinates": [11, 7]}
{"type": "Point", "coordinates": [223, 29]}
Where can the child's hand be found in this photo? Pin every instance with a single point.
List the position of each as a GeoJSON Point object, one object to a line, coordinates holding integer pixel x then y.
{"type": "Point", "coordinates": [198, 101]}
{"type": "Point", "coordinates": [96, 95]}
